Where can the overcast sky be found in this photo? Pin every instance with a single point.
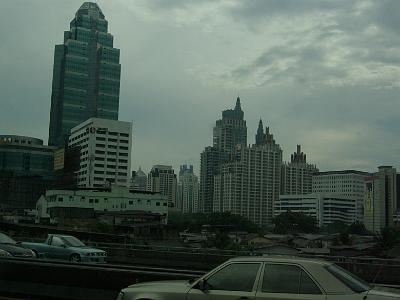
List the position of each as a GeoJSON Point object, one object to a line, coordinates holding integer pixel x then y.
{"type": "Point", "coordinates": [323, 74]}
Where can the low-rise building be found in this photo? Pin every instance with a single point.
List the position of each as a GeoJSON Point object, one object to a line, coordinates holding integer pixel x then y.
{"type": "Point", "coordinates": [26, 169]}
{"type": "Point", "coordinates": [87, 202]}
{"type": "Point", "coordinates": [325, 208]}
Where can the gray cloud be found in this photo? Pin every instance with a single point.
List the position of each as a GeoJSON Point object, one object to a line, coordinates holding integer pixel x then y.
{"type": "Point", "coordinates": [324, 74]}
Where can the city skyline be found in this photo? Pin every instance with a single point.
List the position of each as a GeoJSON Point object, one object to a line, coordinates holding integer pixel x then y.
{"type": "Point", "coordinates": [344, 116]}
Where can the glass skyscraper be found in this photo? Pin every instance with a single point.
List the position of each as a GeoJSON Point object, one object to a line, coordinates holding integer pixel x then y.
{"type": "Point", "coordinates": [86, 74]}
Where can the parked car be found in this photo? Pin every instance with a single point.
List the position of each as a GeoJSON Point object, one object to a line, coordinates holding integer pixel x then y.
{"type": "Point", "coordinates": [263, 278]}
{"type": "Point", "coordinates": [66, 247]}
{"type": "Point", "coordinates": [10, 248]}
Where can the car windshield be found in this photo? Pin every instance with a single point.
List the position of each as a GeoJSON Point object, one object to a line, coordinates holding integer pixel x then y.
{"type": "Point", "coordinates": [72, 241]}
{"type": "Point", "coordinates": [349, 279]}
{"type": "Point", "coordinates": [4, 239]}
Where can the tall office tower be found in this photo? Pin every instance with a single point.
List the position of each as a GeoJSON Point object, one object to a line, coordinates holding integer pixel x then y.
{"type": "Point", "coordinates": [105, 152]}
{"type": "Point", "coordinates": [349, 183]}
{"type": "Point", "coordinates": [228, 132]}
{"type": "Point", "coordinates": [139, 180]}
{"type": "Point", "coordinates": [231, 130]}
{"type": "Point", "coordinates": [381, 198]}
{"type": "Point", "coordinates": [162, 179]}
{"type": "Point", "coordinates": [297, 175]}
{"type": "Point", "coordinates": [86, 75]}
{"type": "Point", "coordinates": [188, 190]}
{"type": "Point", "coordinates": [249, 185]}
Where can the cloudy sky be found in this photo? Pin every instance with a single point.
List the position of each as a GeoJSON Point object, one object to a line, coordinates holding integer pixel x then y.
{"type": "Point", "coordinates": [323, 74]}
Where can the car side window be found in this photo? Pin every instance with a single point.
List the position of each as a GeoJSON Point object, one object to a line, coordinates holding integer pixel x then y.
{"type": "Point", "coordinates": [287, 279]}
{"type": "Point", "coordinates": [56, 241]}
{"type": "Point", "coordinates": [307, 285]}
{"type": "Point", "coordinates": [234, 277]}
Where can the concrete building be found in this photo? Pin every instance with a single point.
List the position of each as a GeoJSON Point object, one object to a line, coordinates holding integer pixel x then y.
{"type": "Point", "coordinates": [26, 156]}
{"type": "Point", "coordinates": [188, 190]}
{"type": "Point", "coordinates": [210, 160]}
{"type": "Point", "coordinates": [228, 132]}
{"type": "Point", "coordinates": [26, 169]}
{"type": "Point", "coordinates": [86, 75]}
{"type": "Point", "coordinates": [231, 130]}
{"type": "Point", "coordinates": [162, 179]}
{"type": "Point", "coordinates": [88, 201]}
{"type": "Point", "coordinates": [297, 175]}
{"type": "Point", "coordinates": [349, 183]}
{"type": "Point", "coordinates": [139, 180]}
{"type": "Point", "coordinates": [105, 152]}
{"type": "Point", "coordinates": [381, 199]}
{"type": "Point", "coordinates": [325, 208]}
{"type": "Point", "coordinates": [249, 184]}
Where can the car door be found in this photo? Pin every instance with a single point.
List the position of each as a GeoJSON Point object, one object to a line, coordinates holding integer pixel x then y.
{"type": "Point", "coordinates": [289, 282]}
{"type": "Point", "coordinates": [233, 281]}
{"type": "Point", "coordinates": [57, 248]}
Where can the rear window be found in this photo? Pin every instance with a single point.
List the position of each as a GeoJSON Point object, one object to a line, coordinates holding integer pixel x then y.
{"type": "Point", "coordinates": [349, 279]}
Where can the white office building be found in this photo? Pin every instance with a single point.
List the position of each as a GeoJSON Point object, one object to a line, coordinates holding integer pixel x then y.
{"type": "Point", "coordinates": [346, 183]}
{"type": "Point", "coordinates": [105, 152]}
{"type": "Point", "coordinates": [325, 208]}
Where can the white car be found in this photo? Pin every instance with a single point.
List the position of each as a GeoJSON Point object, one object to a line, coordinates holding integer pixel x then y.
{"type": "Point", "coordinates": [264, 278]}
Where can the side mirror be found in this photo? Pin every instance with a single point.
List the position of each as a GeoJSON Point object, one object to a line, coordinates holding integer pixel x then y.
{"type": "Point", "coordinates": [202, 285]}
{"type": "Point", "coordinates": [63, 246]}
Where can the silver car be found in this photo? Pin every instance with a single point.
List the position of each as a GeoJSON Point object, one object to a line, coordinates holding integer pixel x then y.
{"type": "Point", "coordinates": [264, 278]}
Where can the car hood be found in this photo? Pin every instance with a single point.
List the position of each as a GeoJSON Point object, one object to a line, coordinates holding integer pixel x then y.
{"type": "Point", "coordinates": [384, 292]}
{"type": "Point", "coordinates": [16, 250]}
{"type": "Point", "coordinates": [177, 286]}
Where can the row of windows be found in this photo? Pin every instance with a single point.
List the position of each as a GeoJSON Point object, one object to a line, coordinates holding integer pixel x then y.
{"type": "Point", "coordinates": [110, 153]}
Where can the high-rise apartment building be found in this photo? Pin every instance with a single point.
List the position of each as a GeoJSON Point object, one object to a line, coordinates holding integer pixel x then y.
{"type": "Point", "coordinates": [297, 175]}
{"type": "Point", "coordinates": [381, 198]}
{"type": "Point", "coordinates": [86, 75]}
{"type": "Point", "coordinates": [249, 184]}
{"type": "Point", "coordinates": [105, 147]}
{"type": "Point", "coordinates": [228, 132]}
{"type": "Point", "coordinates": [139, 180]}
{"type": "Point", "coordinates": [210, 160]}
{"type": "Point", "coordinates": [188, 190]}
{"type": "Point", "coordinates": [231, 130]}
{"type": "Point", "coordinates": [349, 183]}
{"type": "Point", "coordinates": [162, 179]}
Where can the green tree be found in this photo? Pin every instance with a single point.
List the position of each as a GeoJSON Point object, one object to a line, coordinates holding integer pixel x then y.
{"type": "Point", "coordinates": [293, 222]}
{"type": "Point", "coordinates": [357, 228]}
{"type": "Point", "coordinates": [336, 227]}
{"type": "Point", "coordinates": [194, 222]}
{"type": "Point", "coordinates": [388, 238]}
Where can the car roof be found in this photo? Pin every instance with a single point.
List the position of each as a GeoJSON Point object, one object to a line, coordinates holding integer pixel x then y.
{"type": "Point", "coordinates": [61, 235]}
{"type": "Point", "coordinates": [281, 259]}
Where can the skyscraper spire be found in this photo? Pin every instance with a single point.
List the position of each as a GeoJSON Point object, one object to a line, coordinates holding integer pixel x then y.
{"type": "Point", "coordinates": [238, 107]}
{"type": "Point", "coordinates": [260, 133]}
